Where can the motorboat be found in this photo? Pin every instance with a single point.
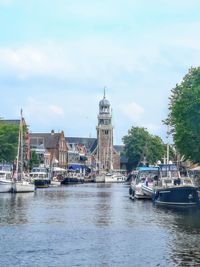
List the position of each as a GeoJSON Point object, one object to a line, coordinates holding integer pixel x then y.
{"type": "Point", "coordinates": [6, 183]}
{"type": "Point", "coordinates": [115, 178]}
{"type": "Point", "coordinates": [99, 178]}
{"type": "Point", "coordinates": [144, 176]}
{"type": "Point", "coordinates": [173, 189]}
{"type": "Point", "coordinates": [73, 178]}
{"type": "Point", "coordinates": [39, 176]}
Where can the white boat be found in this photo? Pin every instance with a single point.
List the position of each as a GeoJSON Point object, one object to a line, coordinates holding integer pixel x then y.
{"type": "Point", "coordinates": [145, 176]}
{"type": "Point", "coordinates": [115, 178]}
{"type": "Point", "coordinates": [99, 178]}
{"type": "Point", "coordinates": [39, 176]}
{"type": "Point", "coordinates": [23, 187]}
{"type": "Point", "coordinates": [55, 182]}
{"type": "Point", "coordinates": [6, 183]}
{"type": "Point", "coordinates": [21, 183]}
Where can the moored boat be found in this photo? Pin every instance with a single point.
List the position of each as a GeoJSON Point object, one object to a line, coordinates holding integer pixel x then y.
{"type": "Point", "coordinates": [6, 183]}
{"type": "Point", "coordinates": [99, 178]}
{"type": "Point", "coordinates": [21, 183]}
{"type": "Point", "coordinates": [73, 178]}
{"type": "Point", "coordinates": [23, 186]}
{"type": "Point", "coordinates": [115, 178]}
{"type": "Point", "coordinates": [173, 189]}
{"type": "Point", "coordinates": [145, 176]}
{"type": "Point", "coordinates": [40, 177]}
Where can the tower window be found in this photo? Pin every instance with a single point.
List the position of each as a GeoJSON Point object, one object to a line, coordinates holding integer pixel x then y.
{"type": "Point", "coordinates": [106, 131]}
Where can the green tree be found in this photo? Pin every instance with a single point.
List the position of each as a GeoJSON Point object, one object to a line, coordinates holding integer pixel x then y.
{"type": "Point", "coordinates": [184, 115]}
{"type": "Point", "coordinates": [34, 161]}
{"type": "Point", "coordinates": [139, 144]}
{"type": "Point", "coordinates": [8, 141]}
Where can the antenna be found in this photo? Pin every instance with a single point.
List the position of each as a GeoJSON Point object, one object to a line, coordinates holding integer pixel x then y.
{"type": "Point", "coordinates": [104, 93]}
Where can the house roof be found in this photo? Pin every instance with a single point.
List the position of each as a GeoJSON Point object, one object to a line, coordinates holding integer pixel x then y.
{"type": "Point", "coordinates": [89, 143]}
{"type": "Point", "coordinates": [49, 140]}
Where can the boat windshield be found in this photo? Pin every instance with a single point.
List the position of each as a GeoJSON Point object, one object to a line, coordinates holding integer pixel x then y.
{"type": "Point", "coordinates": [172, 174]}
{"type": "Point", "coordinates": [147, 175]}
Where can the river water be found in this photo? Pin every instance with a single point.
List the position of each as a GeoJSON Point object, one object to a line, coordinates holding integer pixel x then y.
{"type": "Point", "coordinates": [94, 225]}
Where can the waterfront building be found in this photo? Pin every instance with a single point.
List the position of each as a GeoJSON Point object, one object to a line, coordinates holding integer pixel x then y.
{"type": "Point", "coordinates": [79, 152]}
{"type": "Point", "coordinates": [51, 148]}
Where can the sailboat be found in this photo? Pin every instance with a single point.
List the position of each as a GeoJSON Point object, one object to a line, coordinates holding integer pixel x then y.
{"type": "Point", "coordinates": [21, 183]}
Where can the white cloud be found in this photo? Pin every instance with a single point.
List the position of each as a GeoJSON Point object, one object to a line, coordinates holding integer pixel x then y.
{"type": "Point", "coordinates": [132, 110]}
{"type": "Point", "coordinates": [42, 112]}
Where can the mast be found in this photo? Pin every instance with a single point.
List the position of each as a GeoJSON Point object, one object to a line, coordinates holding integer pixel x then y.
{"type": "Point", "coordinates": [22, 144]}
{"type": "Point", "coordinates": [18, 148]}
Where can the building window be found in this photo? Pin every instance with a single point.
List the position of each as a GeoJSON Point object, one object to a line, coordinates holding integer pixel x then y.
{"type": "Point", "coordinates": [106, 131]}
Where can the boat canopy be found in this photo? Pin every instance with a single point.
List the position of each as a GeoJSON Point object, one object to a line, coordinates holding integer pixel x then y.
{"type": "Point", "coordinates": [76, 167]}
{"type": "Point", "coordinates": [147, 169]}
{"type": "Point", "coordinates": [58, 169]}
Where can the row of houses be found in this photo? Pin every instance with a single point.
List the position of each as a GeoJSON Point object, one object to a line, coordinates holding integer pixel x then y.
{"type": "Point", "coordinates": [54, 149]}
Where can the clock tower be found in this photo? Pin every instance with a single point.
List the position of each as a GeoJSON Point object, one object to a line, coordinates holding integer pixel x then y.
{"type": "Point", "coordinates": [104, 136]}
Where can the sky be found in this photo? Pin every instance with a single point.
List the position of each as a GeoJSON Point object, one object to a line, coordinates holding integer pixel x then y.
{"type": "Point", "coordinates": [56, 57]}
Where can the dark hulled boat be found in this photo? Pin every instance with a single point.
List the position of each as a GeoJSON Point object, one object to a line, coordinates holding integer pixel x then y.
{"type": "Point", "coordinates": [174, 190]}
{"type": "Point", "coordinates": [40, 177]}
{"type": "Point", "coordinates": [184, 196]}
{"type": "Point", "coordinates": [72, 178]}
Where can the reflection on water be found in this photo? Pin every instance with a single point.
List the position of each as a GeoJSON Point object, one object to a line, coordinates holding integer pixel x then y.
{"type": "Point", "coordinates": [14, 208]}
{"type": "Point", "coordinates": [95, 225]}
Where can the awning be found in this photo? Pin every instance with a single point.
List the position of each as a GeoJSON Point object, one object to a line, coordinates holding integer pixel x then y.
{"type": "Point", "coordinates": [58, 169]}
{"type": "Point", "coordinates": [75, 167]}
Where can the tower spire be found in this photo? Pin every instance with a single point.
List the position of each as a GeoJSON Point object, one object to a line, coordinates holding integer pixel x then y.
{"type": "Point", "coordinates": [104, 92]}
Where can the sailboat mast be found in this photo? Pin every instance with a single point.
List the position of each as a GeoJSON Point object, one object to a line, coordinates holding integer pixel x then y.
{"type": "Point", "coordinates": [18, 147]}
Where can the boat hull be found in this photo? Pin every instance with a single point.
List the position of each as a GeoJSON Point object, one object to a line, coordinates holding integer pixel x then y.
{"type": "Point", "coordinates": [99, 179]}
{"type": "Point", "coordinates": [42, 183]}
{"type": "Point", "coordinates": [136, 192]}
{"type": "Point", "coordinates": [23, 187]}
{"type": "Point", "coordinates": [6, 186]}
{"type": "Point", "coordinates": [176, 196]}
{"type": "Point", "coordinates": [72, 180]}
{"type": "Point", "coordinates": [115, 179]}
{"type": "Point", "coordinates": [147, 190]}
{"type": "Point", "coordinates": [55, 183]}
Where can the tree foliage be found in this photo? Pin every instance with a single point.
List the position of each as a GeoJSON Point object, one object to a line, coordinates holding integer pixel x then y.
{"type": "Point", "coordinates": [8, 141]}
{"type": "Point", "coordinates": [184, 115]}
{"type": "Point", "coordinates": [34, 161]}
{"type": "Point", "coordinates": [140, 144]}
